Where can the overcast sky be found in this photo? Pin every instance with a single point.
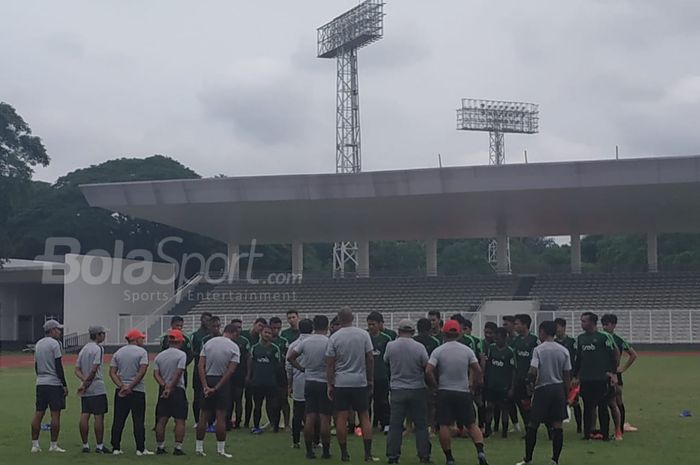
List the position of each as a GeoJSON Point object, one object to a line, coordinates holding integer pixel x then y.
{"type": "Point", "coordinates": [235, 87]}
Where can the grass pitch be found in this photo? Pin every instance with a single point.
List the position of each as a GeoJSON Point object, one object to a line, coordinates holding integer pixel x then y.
{"type": "Point", "coordinates": [657, 389]}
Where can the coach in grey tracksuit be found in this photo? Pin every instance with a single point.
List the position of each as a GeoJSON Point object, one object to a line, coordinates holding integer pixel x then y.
{"type": "Point", "coordinates": [407, 359]}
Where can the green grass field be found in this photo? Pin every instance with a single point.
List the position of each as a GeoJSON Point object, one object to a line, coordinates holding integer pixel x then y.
{"type": "Point", "coordinates": [657, 389]}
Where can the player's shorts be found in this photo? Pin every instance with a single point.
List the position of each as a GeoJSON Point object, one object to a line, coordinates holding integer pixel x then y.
{"type": "Point", "coordinates": [454, 406]}
{"type": "Point", "coordinates": [175, 406]}
{"type": "Point", "coordinates": [351, 399]}
{"type": "Point", "coordinates": [94, 405]}
{"type": "Point", "coordinates": [220, 400]}
{"type": "Point", "coordinates": [548, 404]}
{"type": "Point", "coordinates": [316, 398]}
{"type": "Point", "coordinates": [495, 396]}
{"type": "Point", "coordinates": [50, 397]}
{"type": "Point", "coordinates": [520, 391]}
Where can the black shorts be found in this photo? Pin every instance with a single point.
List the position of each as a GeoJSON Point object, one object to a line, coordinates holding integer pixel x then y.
{"type": "Point", "coordinates": [316, 398]}
{"type": "Point", "coordinates": [520, 391]}
{"type": "Point", "coordinates": [175, 406]}
{"type": "Point", "coordinates": [346, 399]}
{"type": "Point", "coordinates": [548, 404]}
{"type": "Point", "coordinates": [455, 406]}
{"type": "Point", "coordinates": [594, 391]}
{"type": "Point", "coordinates": [94, 405]}
{"type": "Point", "coordinates": [220, 400]}
{"type": "Point", "coordinates": [495, 396]}
{"type": "Point", "coordinates": [50, 397]}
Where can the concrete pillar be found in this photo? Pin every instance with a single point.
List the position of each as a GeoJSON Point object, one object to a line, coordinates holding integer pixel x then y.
{"type": "Point", "coordinates": [431, 257]}
{"type": "Point", "coordinates": [652, 252]}
{"type": "Point", "coordinates": [363, 259]}
{"type": "Point", "coordinates": [575, 254]}
{"type": "Point", "coordinates": [297, 258]}
{"type": "Point", "coordinates": [233, 260]}
{"type": "Point", "coordinates": [502, 254]}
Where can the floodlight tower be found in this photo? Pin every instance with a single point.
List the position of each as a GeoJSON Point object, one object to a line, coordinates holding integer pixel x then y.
{"type": "Point", "coordinates": [498, 118]}
{"type": "Point", "coordinates": [340, 39]}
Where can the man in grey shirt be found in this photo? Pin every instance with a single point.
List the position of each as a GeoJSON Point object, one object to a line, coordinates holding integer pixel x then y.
{"type": "Point", "coordinates": [296, 380]}
{"type": "Point", "coordinates": [310, 356]}
{"type": "Point", "coordinates": [129, 365]}
{"type": "Point", "coordinates": [92, 392]}
{"type": "Point", "coordinates": [350, 372]}
{"type": "Point", "coordinates": [218, 361]}
{"type": "Point", "coordinates": [51, 386]}
{"type": "Point", "coordinates": [457, 367]}
{"type": "Point", "coordinates": [550, 372]}
{"type": "Point", "coordinates": [169, 373]}
{"type": "Point", "coordinates": [407, 359]}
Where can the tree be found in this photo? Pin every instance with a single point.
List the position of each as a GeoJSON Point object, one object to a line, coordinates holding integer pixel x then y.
{"type": "Point", "coordinates": [20, 151]}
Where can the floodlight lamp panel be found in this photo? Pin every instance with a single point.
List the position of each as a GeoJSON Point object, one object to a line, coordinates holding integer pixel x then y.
{"type": "Point", "coordinates": [352, 30]}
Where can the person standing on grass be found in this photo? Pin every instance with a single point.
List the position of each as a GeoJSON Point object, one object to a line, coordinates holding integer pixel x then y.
{"type": "Point", "coordinates": [297, 380]}
{"type": "Point", "coordinates": [312, 351]}
{"type": "Point", "coordinates": [92, 392]}
{"type": "Point", "coordinates": [407, 359]}
{"type": "Point", "coordinates": [499, 378]}
{"type": "Point", "coordinates": [217, 363]}
{"type": "Point", "coordinates": [350, 373]}
{"type": "Point", "coordinates": [129, 365]}
{"type": "Point", "coordinates": [281, 401]}
{"type": "Point", "coordinates": [238, 378]}
{"type": "Point", "coordinates": [609, 323]}
{"type": "Point", "coordinates": [169, 373]}
{"type": "Point", "coordinates": [594, 369]}
{"type": "Point", "coordinates": [253, 337]}
{"type": "Point", "coordinates": [523, 344]}
{"type": "Point", "coordinates": [196, 343]}
{"type": "Point", "coordinates": [550, 373]}
{"type": "Point", "coordinates": [263, 379]}
{"type": "Point", "coordinates": [430, 343]}
{"type": "Point", "coordinates": [291, 334]}
{"type": "Point", "coordinates": [51, 386]}
{"type": "Point", "coordinates": [570, 344]}
{"type": "Point", "coordinates": [459, 373]}
{"type": "Point", "coordinates": [380, 394]}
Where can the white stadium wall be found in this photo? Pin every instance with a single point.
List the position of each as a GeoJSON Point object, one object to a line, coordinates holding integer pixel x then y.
{"type": "Point", "coordinates": [98, 290]}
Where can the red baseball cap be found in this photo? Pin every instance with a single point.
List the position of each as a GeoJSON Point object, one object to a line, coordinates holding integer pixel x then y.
{"type": "Point", "coordinates": [134, 334]}
{"type": "Point", "coordinates": [451, 326]}
{"type": "Point", "coordinates": [176, 335]}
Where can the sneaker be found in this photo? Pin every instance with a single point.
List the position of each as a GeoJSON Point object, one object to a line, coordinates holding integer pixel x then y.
{"type": "Point", "coordinates": [524, 463]}
{"type": "Point", "coordinates": [628, 428]}
{"type": "Point", "coordinates": [143, 453]}
{"type": "Point", "coordinates": [102, 450]}
{"type": "Point", "coordinates": [310, 455]}
{"type": "Point", "coordinates": [86, 450]}
{"type": "Point", "coordinates": [358, 432]}
{"type": "Point", "coordinates": [257, 431]}
{"type": "Point", "coordinates": [36, 449]}
{"type": "Point", "coordinates": [371, 458]}
{"type": "Point", "coordinates": [449, 462]}
{"type": "Point", "coordinates": [553, 462]}
{"type": "Point", "coordinates": [296, 446]}
{"type": "Point", "coordinates": [618, 435]}
{"type": "Point", "coordinates": [179, 452]}
{"type": "Point", "coordinates": [160, 451]}
{"type": "Point", "coordinates": [482, 459]}
{"type": "Point", "coordinates": [56, 449]}
{"type": "Point", "coordinates": [117, 452]}
{"type": "Point", "coordinates": [345, 458]}
{"type": "Point", "coordinates": [200, 453]}
{"type": "Point", "coordinates": [225, 455]}
{"type": "Point", "coordinates": [597, 436]}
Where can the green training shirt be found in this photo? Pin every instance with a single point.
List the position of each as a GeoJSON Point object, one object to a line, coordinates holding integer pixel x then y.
{"type": "Point", "coordinates": [265, 360]}
{"type": "Point", "coordinates": [523, 347]}
{"type": "Point", "coordinates": [500, 368]}
{"type": "Point", "coordinates": [253, 339]}
{"type": "Point", "coordinates": [429, 342]}
{"type": "Point", "coordinates": [379, 343]}
{"type": "Point", "coordinates": [595, 356]}
{"type": "Point", "coordinates": [570, 344]}
{"type": "Point", "coordinates": [196, 341]}
{"type": "Point", "coordinates": [290, 334]}
{"type": "Point", "coordinates": [391, 333]}
{"type": "Point", "coordinates": [472, 342]}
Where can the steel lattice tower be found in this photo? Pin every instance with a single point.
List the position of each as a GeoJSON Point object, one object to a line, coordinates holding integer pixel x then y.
{"type": "Point", "coordinates": [498, 117]}
{"type": "Point", "coordinates": [340, 39]}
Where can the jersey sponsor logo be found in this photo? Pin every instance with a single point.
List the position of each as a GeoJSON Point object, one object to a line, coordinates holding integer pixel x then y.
{"type": "Point", "coordinates": [376, 352]}
{"type": "Point", "coordinates": [588, 347]}
{"type": "Point", "coordinates": [498, 363]}
{"type": "Point", "coordinates": [523, 353]}
{"type": "Point", "coordinates": [262, 360]}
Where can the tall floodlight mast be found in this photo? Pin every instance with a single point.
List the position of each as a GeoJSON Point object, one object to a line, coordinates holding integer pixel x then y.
{"type": "Point", "coordinates": [498, 118]}
{"type": "Point", "coordinates": [340, 39]}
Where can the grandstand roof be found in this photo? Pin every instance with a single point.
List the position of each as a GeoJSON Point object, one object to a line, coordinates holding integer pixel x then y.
{"type": "Point", "coordinates": [536, 199]}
